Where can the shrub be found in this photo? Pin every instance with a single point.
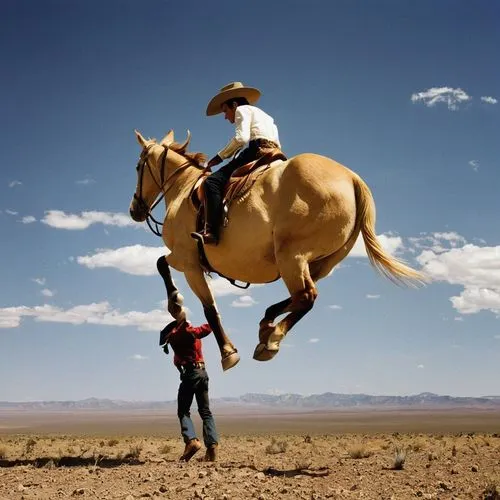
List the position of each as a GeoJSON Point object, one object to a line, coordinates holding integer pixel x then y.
{"type": "Point", "coordinates": [399, 458]}
{"type": "Point", "coordinates": [359, 451]}
{"type": "Point", "coordinates": [276, 447]}
{"type": "Point", "coordinates": [165, 449]}
{"type": "Point", "coordinates": [30, 445]}
{"type": "Point", "coordinates": [492, 491]}
{"type": "Point", "coordinates": [134, 451]}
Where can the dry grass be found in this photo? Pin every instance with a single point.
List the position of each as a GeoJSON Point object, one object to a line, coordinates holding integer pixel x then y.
{"type": "Point", "coordinates": [165, 449]}
{"type": "Point", "coordinates": [492, 490]}
{"type": "Point", "coordinates": [434, 466]}
{"type": "Point", "coordinates": [400, 455]}
{"type": "Point", "coordinates": [135, 451]}
{"type": "Point", "coordinates": [276, 447]}
{"type": "Point", "coordinates": [29, 446]}
{"type": "Point", "coordinates": [359, 450]}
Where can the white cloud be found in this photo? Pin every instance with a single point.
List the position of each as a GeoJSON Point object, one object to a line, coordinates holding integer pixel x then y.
{"type": "Point", "coordinates": [61, 220]}
{"type": "Point", "coordinates": [437, 242]}
{"type": "Point", "coordinates": [28, 219]}
{"type": "Point", "coordinates": [221, 287]}
{"type": "Point", "coordinates": [95, 314]}
{"type": "Point", "coordinates": [138, 260]}
{"type": "Point", "coordinates": [335, 307]}
{"type": "Point", "coordinates": [420, 367]}
{"type": "Point", "coordinates": [47, 293]}
{"type": "Point", "coordinates": [450, 96]}
{"type": "Point", "coordinates": [40, 281]}
{"type": "Point", "coordinates": [391, 244]}
{"type": "Point", "coordinates": [141, 260]}
{"type": "Point", "coordinates": [373, 297]}
{"type": "Point", "coordinates": [458, 318]}
{"type": "Point", "coordinates": [138, 357]}
{"type": "Point", "coordinates": [15, 183]}
{"type": "Point", "coordinates": [469, 265]}
{"type": "Point", "coordinates": [313, 341]}
{"type": "Point", "coordinates": [472, 300]}
{"type": "Point", "coordinates": [243, 301]}
{"type": "Point", "coordinates": [489, 99]}
{"type": "Point", "coordinates": [474, 164]}
{"type": "Point", "coordinates": [85, 182]}
{"type": "Point", "coordinates": [473, 267]}
{"type": "Point", "coordinates": [10, 212]}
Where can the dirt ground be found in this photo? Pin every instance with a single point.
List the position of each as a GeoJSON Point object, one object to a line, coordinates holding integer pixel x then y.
{"type": "Point", "coordinates": [255, 462]}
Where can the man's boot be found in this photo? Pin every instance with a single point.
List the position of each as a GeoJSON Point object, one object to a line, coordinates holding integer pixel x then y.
{"type": "Point", "coordinates": [211, 454]}
{"type": "Point", "coordinates": [191, 448]}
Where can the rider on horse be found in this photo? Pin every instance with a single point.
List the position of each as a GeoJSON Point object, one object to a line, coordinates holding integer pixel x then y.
{"type": "Point", "coordinates": [254, 128]}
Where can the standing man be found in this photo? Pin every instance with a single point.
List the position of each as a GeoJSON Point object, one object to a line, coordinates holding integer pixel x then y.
{"type": "Point", "coordinates": [254, 128]}
{"type": "Point", "coordinates": [185, 341]}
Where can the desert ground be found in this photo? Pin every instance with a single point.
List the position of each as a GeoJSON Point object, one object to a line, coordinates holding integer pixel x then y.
{"type": "Point", "coordinates": [305, 455]}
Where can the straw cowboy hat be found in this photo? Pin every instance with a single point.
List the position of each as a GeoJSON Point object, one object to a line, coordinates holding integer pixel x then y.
{"type": "Point", "coordinates": [235, 89]}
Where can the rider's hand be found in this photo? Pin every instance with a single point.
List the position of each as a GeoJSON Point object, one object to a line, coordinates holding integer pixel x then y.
{"type": "Point", "coordinates": [214, 161]}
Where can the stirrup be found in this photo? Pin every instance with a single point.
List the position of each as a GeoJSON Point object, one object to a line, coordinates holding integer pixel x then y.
{"type": "Point", "coordinates": [205, 238]}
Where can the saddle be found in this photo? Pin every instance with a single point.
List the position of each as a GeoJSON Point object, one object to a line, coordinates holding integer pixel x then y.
{"type": "Point", "coordinates": [242, 179]}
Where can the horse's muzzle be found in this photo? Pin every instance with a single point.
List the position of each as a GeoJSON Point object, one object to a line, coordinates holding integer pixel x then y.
{"type": "Point", "coordinates": [137, 211]}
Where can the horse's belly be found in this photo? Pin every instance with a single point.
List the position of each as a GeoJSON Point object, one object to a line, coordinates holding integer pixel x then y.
{"type": "Point", "coordinates": [245, 254]}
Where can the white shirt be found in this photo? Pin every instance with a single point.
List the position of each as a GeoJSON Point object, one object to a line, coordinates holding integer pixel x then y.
{"type": "Point", "coordinates": [251, 123]}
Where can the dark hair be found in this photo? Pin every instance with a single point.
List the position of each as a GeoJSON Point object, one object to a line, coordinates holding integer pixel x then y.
{"type": "Point", "coordinates": [240, 101]}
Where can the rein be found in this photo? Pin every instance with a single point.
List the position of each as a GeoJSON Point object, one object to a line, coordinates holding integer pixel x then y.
{"type": "Point", "coordinates": [163, 185]}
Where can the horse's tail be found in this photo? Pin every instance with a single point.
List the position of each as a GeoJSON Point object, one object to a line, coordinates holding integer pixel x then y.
{"type": "Point", "coordinates": [394, 269]}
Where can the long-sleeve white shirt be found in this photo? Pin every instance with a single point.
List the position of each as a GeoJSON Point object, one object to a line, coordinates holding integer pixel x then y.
{"type": "Point", "coordinates": [251, 123]}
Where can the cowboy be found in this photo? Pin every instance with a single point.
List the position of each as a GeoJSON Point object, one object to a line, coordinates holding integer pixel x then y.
{"type": "Point", "coordinates": [254, 128]}
{"type": "Point", "coordinates": [185, 341]}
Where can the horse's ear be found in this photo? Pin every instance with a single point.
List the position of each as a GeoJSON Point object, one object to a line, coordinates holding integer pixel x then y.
{"type": "Point", "coordinates": [186, 142]}
{"type": "Point", "coordinates": [140, 139]}
{"type": "Point", "coordinates": [168, 139]}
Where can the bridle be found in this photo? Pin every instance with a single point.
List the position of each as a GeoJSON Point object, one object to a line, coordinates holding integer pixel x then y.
{"type": "Point", "coordinates": [164, 185]}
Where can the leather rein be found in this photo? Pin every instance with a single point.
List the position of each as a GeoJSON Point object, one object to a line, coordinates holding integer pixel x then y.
{"type": "Point", "coordinates": [163, 185]}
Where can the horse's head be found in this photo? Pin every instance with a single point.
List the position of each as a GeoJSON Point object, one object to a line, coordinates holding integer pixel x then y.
{"type": "Point", "coordinates": [151, 174]}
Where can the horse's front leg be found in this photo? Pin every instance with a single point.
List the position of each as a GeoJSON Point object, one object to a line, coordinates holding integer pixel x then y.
{"type": "Point", "coordinates": [199, 285]}
{"type": "Point", "coordinates": [175, 299]}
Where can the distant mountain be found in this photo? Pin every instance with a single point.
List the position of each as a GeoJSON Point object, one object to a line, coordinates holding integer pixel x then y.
{"type": "Point", "coordinates": [285, 402]}
{"type": "Point", "coordinates": [333, 400]}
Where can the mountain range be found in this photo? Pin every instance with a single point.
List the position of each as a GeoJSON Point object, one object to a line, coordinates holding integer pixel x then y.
{"type": "Point", "coordinates": [284, 402]}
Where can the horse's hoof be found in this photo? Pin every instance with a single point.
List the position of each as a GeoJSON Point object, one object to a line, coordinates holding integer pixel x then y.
{"type": "Point", "coordinates": [263, 353]}
{"type": "Point", "coordinates": [230, 360]}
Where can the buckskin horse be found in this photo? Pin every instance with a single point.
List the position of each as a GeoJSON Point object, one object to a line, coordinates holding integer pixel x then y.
{"type": "Point", "coordinates": [300, 218]}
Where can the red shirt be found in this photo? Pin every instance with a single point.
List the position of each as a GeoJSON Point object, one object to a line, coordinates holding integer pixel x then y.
{"type": "Point", "coordinates": [186, 342]}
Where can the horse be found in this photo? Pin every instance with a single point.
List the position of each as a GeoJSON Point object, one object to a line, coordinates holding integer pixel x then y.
{"type": "Point", "coordinates": [298, 221]}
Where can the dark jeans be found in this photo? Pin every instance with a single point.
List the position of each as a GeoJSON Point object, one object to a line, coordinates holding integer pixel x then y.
{"type": "Point", "coordinates": [195, 383]}
{"type": "Point", "coordinates": [216, 182]}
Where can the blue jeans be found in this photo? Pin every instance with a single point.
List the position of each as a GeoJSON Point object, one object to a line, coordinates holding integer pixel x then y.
{"type": "Point", "coordinates": [195, 383]}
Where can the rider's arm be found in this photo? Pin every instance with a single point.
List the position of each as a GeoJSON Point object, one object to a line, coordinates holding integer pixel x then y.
{"type": "Point", "coordinates": [242, 120]}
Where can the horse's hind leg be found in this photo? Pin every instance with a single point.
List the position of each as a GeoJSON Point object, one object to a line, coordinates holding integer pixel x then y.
{"type": "Point", "coordinates": [295, 274]}
{"type": "Point", "coordinates": [272, 312]}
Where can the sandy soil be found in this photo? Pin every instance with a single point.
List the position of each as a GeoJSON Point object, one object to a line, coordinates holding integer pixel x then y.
{"type": "Point", "coordinates": [298, 464]}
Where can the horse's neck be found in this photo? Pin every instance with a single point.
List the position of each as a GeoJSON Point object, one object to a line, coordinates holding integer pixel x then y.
{"type": "Point", "coordinates": [183, 174]}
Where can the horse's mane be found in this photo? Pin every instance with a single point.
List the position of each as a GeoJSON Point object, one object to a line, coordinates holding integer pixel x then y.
{"type": "Point", "coordinates": [197, 158]}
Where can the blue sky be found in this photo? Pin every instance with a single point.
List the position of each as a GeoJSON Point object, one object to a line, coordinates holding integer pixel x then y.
{"type": "Point", "coordinates": [404, 93]}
